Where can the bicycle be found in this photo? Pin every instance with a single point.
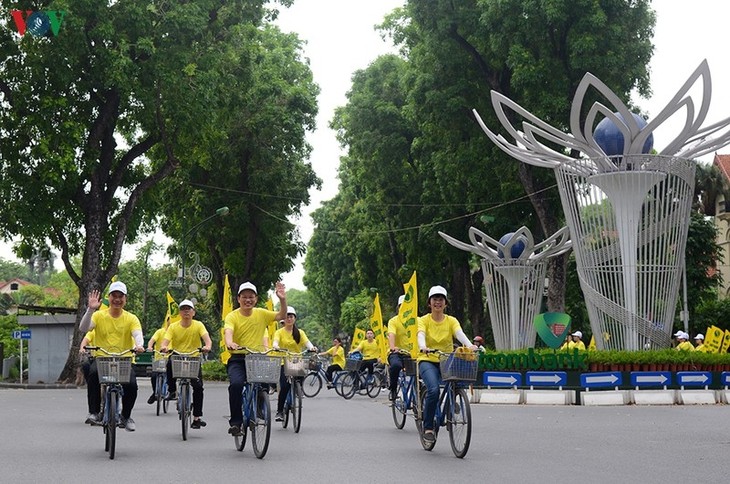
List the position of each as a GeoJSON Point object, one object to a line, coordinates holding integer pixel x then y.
{"type": "Point", "coordinates": [185, 366]}
{"type": "Point", "coordinates": [295, 368]}
{"type": "Point", "coordinates": [261, 370]}
{"type": "Point", "coordinates": [357, 380]}
{"type": "Point", "coordinates": [406, 392]}
{"type": "Point", "coordinates": [114, 369]}
{"type": "Point", "coordinates": [317, 376]}
{"type": "Point", "coordinates": [159, 368]}
{"type": "Point", "coordinates": [453, 410]}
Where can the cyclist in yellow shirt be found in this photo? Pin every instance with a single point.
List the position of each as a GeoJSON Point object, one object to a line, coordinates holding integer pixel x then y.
{"type": "Point", "coordinates": [154, 344]}
{"type": "Point", "coordinates": [246, 327]}
{"type": "Point", "coordinates": [397, 339]}
{"type": "Point", "coordinates": [115, 328]}
{"type": "Point", "coordinates": [292, 339]}
{"type": "Point", "coordinates": [186, 336]}
{"type": "Point", "coordinates": [337, 352]}
{"type": "Point", "coordinates": [436, 331]}
{"type": "Point", "coordinates": [370, 351]}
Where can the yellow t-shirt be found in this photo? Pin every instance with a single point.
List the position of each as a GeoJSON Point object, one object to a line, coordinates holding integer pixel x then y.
{"type": "Point", "coordinates": [186, 340]}
{"type": "Point", "coordinates": [395, 326]}
{"type": "Point", "coordinates": [114, 334]}
{"type": "Point", "coordinates": [284, 340]}
{"type": "Point", "coordinates": [249, 330]}
{"type": "Point", "coordinates": [577, 345]}
{"type": "Point", "coordinates": [685, 346]}
{"type": "Point", "coordinates": [338, 355]}
{"type": "Point", "coordinates": [158, 337]}
{"type": "Point", "coordinates": [89, 336]}
{"type": "Point", "coordinates": [439, 335]}
{"type": "Point", "coordinates": [370, 351]}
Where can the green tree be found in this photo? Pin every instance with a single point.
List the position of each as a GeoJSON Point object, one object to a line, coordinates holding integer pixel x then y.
{"type": "Point", "coordinates": [94, 118]}
{"type": "Point", "coordinates": [11, 270]}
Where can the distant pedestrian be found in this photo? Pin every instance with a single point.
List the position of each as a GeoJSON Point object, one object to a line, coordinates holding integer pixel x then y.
{"type": "Point", "coordinates": [683, 343]}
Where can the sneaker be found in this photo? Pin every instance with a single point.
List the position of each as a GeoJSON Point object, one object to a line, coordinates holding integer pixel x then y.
{"type": "Point", "coordinates": [196, 424]}
{"type": "Point", "coordinates": [330, 386]}
{"type": "Point", "coordinates": [279, 417]}
{"type": "Point", "coordinates": [152, 399]}
{"type": "Point", "coordinates": [92, 419]}
{"type": "Point", "coordinates": [129, 425]}
{"type": "Point", "coordinates": [235, 430]}
{"type": "Point", "coordinates": [429, 436]}
{"type": "Point", "coordinates": [172, 396]}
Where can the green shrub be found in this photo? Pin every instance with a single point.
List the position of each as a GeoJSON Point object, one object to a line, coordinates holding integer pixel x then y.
{"type": "Point", "coordinates": [214, 370]}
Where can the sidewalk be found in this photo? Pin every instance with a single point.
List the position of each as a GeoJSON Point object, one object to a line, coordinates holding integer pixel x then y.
{"type": "Point", "coordinates": [36, 386]}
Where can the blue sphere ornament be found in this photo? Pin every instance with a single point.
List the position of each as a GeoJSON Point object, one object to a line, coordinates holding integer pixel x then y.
{"type": "Point", "coordinates": [517, 248]}
{"type": "Point", "coordinates": [611, 140]}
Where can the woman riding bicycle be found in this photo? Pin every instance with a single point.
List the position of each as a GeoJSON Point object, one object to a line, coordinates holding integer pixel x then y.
{"type": "Point", "coordinates": [370, 351]}
{"type": "Point", "coordinates": [185, 336]}
{"type": "Point", "coordinates": [246, 327]}
{"type": "Point", "coordinates": [436, 331]}
{"type": "Point", "coordinates": [153, 344]}
{"type": "Point", "coordinates": [294, 340]}
{"type": "Point", "coordinates": [337, 352]}
{"type": "Point", "coordinates": [397, 339]}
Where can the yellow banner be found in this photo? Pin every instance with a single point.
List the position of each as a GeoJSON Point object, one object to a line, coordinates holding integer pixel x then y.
{"type": "Point", "coordinates": [226, 308]}
{"type": "Point", "coordinates": [357, 337]}
{"type": "Point", "coordinates": [713, 339]}
{"type": "Point", "coordinates": [408, 313]}
{"type": "Point", "coordinates": [725, 342]}
{"type": "Point", "coordinates": [592, 344]}
{"type": "Point", "coordinates": [376, 324]}
{"type": "Point", "coordinates": [173, 312]}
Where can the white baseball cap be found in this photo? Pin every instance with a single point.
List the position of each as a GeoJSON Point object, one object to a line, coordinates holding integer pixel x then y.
{"type": "Point", "coordinates": [401, 298]}
{"type": "Point", "coordinates": [291, 310]}
{"type": "Point", "coordinates": [700, 336]}
{"type": "Point", "coordinates": [578, 334]}
{"type": "Point", "coordinates": [437, 291]}
{"type": "Point", "coordinates": [186, 302]}
{"type": "Point", "coordinates": [247, 285]}
{"type": "Point", "coordinates": [679, 334]}
{"type": "Point", "coordinates": [118, 286]}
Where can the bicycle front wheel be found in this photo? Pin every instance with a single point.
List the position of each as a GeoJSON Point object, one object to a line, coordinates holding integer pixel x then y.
{"type": "Point", "coordinates": [398, 408]}
{"type": "Point", "coordinates": [419, 421]}
{"type": "Point", "coordinates": [111, 424]}
{"type": "Point", "coordinates": [158, 393]}
{"type": "Point", "coordinates": [261, 425]}
{"type": "Point", "coordinates": [296, 410]}
{"type": "Point", "coordinates": [348, 384]}
{"type": "Point", "coordinates": [183, 408]}
{"type": "Point", "coordinates": [312, 384]}
{"type": "Point", "coordinates": [458, 422]}
{"type": "Point", "coordinates": [373, 385]}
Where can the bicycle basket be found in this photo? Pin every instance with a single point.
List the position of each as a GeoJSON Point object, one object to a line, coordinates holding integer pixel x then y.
{"type": "Point", "coordinates": [262, 368]}
{"type": "Point", "coordinates": [185, 366]}
{"type": "Point", "coordinates": [352, 364]}
{"type": "Point", "coordinates": [159, 366]}
{"type": "Point", "coordinates": [296, 366]}
{"type": "Point", "coordinates": [315, 363]}
{"type": "Point", "coordinates": [409, 364]}
{"type": "Point", "coordinates": [113, 369]}
{"type": "Point", "coordinates": [458, 366]}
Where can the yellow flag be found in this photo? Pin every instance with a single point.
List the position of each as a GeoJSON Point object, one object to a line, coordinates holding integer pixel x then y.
{"type": "Point", "coordinates": [713, 339]}
{"type": "Point", "coordinates": [592, 344]}
{"type": "Point", "coordinates": [376, 324]}
{"type": "Point", "coordinates": [173, 312]}
{"type": "Point", "coordinates": [273, 325]}
{"type": "Point", "coordinates": [105, 296]}
{"type": "Point", "coordinates": [227, 307]}
{"type": "Point", "coordinates": [408, 313]}
{"type": "Point", "coordinates": [357, 337]}
{"type": "Point", "coordinates": [725, 342]}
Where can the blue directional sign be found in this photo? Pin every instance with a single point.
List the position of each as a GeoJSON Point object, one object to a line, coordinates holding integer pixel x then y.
{"type": "Point", "coordinates": [725, 378]}
{"type": "Point", "coordinates": [601, 380]}
{"type": "Point", "coordinates": [546, 378]}
{"type": "Point", "coordinates": [650, 378]}
{"type": "Point", "coordinates": [694, 378]}
{"type": "Point", "coordinates": [502, 379]}
{"type": "Point", "coordinates": [21, 334]}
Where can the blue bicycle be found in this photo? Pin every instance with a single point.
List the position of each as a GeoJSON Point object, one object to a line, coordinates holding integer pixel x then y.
{"type": "Point", "coordinates": [159, 368]}
{"type": "Point", "coordinates": [405, 399]}
{"type": "Point", "coordinates": [113, 369]}
{"type": "Point", "coordinates": [296, 366]}
{"type": "Point", "coordinates": [453, 410]}
{"type": "Point", "coordinates": [185, 366]}
{"type": "Point", "coordinates": [261, 371]}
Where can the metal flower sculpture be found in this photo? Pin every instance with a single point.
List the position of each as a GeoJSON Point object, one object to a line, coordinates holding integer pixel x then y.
{"type": "Point", "coordinates": [627, 210]}
{"type": "Point", "coordinates": [514, 277]}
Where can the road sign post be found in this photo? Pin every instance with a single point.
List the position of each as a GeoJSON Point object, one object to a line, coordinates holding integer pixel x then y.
{"type": "Point", "coordinates": [20, 336]}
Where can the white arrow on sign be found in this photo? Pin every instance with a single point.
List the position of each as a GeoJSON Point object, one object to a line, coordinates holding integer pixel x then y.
{"type": "Point", "coordinates": [694, 378]}
{"type": "Point", "coordinates": [501, 379]}
{"type": "Point", "coordinates": [612, 378]}
{"type": "Point", "coordinates": [651, 379]}
{"type": "Point", "coordinates": [545, 378]}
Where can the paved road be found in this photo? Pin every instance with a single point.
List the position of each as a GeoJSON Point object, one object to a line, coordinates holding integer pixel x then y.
{"type": "Point", "coordinates": [43, 439]}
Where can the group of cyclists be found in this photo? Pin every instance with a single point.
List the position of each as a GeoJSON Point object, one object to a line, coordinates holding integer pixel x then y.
{"type": "Point", "coordinates": [245, 328]}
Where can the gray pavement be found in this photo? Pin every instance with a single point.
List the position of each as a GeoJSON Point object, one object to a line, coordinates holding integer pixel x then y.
{"type": "Point", "coordinates": [43, 439]}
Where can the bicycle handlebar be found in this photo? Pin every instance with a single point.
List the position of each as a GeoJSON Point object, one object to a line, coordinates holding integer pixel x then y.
{"type": "Point", "coordinates": [109, 353]}
{"type": "Point", "coordinates": [195, 352]}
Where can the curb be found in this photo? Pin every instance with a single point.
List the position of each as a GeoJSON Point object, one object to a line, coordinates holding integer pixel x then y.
{"type": "Point", "coordinates": [38, 386]}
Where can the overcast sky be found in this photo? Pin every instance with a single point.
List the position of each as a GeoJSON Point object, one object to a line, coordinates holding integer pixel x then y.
{"type": "Point", "coordinates": [341, 38]}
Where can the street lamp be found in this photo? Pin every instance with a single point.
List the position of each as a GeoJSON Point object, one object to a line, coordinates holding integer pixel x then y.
{"type": "Point", "coordinates": [222, 212]}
